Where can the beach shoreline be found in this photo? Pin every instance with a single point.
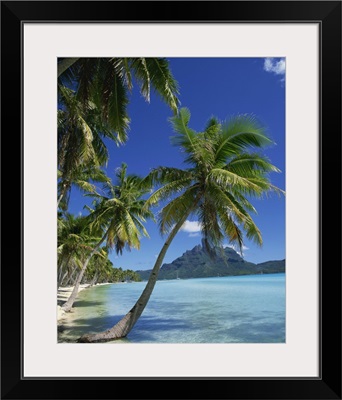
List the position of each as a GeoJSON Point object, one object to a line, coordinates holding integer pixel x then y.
{"type": "Point", "coordinates": [63, 294]}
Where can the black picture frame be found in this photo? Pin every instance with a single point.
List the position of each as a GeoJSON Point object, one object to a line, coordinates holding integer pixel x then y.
{"type": "Point", "coordinates": [328, 384]}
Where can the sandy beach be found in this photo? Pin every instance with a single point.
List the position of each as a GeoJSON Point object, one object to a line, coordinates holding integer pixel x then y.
{"type": "Point", "coordinates": [63, 294]}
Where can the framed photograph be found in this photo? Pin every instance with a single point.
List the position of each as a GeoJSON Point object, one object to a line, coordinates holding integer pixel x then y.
{"type": "Point", "coordinates": [279, 60]}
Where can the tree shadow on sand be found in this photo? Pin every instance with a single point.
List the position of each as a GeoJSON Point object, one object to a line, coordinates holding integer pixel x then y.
{"type": "Point", "coordinates": [146, 329]}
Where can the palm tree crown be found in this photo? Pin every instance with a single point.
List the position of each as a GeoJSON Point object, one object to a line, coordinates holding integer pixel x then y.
{"type": "Point", "coordinates": [81, 147]}
{"type": "Point", "coordinates": [121, 212]}
{"type": "Point", "coordinates": [222, 177]}
{"type": "Point", "coordinates": [106, 82]}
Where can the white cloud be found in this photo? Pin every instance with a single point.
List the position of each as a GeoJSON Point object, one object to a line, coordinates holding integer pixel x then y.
{"type": "Point", "coordinates": [191, 226]}
{"type": "Point", "coordinates": [194, 234]}
{"type": "Point", "coordinates": [275, 66]}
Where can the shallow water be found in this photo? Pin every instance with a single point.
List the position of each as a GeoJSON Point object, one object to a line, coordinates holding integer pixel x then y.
{"type": "Point", "coordinates": [239, 309]}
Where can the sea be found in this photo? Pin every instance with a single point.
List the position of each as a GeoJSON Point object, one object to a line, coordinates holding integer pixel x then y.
{"type": "Point", "coordinates": [234, 309]}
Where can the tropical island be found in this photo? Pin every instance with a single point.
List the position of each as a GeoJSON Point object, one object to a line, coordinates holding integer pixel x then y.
{"type": "Point", "coordinates": [197, 263]}
{"type": "Point", "coordinates": [222, 169]}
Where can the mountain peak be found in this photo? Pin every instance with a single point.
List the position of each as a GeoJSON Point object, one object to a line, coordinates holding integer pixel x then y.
{"type": "Point", "coordinates": [197, 263]}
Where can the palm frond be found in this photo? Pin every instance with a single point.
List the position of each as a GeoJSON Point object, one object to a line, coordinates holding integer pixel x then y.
{"type": "Point", "coordinates": [246, 204]}
{"type": "Point", "coordinates": [167, 191]}
{"type": "Point", "coordinates": [86, 149]}
{"type": "Point", "coordinates": [238, 134]}
{"type": "Point", "coordinates": [100, 149]}
{"type": "Point", "coordinates": [227, 205]}
{"type": "Point", "coordinates": [122, 69]}
{"type": "Point", "coordinates": [142, 75]}
{"type": "Point", "coordinates": [85, 186]}
{"type": "Point", "coordinates": [140, 225]}
{"type": "Point", "coordinates": [231, 229]}
{"type": "Point", "coordinates": [162, 175]}
{"type": "Point", "coordinates": [96, 174]}
{"type": "Point", "coordinates": [115, 101]}
{"type": "Point", "coordinates": [228, 179]}
{"type": "Point", "coordinates": [176, 208]}
{"type": "Point", "coordinates": [185, 137]}
{"type": "Point", "coordinates": [163, 81]}
{"type": "Point", "coordinates": [266, 187]}
{"type": "Point", "coordinates": [251, 163]}
{"type": "Point", "coordinates": [212, 128]}
{"type": "Point", "coordinates": [252, 232]}
{"type": "Point", "coordinates": [121, 214]}
{"type": "Point", "coordinates": [226, 202]}
{"type": "Point", "coordinates": [86, 73]}
{"type": "Point", "coordinates": [208, 218]}
{"type": "Point", "coordinates": [123, 232]}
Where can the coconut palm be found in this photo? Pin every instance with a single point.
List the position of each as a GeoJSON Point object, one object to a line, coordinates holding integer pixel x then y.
{"type": "Point", "coordinates": [120, 216]}
{"type": "Point", "coordinates": [99, 267]}
{"type": "Point", "coordinates": [106, 82]}
{"type": "Point", "coordinates": [93, 99]}
{"type": "Point", "coordinates": [81, 147]}
{"type": "Point", "coordinates": [84, 177]}
{"type": "Point", "coordinates": [75, 242]}
{"type": "Point", "coordinates": [224, 173]}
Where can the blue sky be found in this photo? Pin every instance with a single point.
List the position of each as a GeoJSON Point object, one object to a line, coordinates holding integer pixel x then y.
{"type": "Point", "coordinates": [219, 87]}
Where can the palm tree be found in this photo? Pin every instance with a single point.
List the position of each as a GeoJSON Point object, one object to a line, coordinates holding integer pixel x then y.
{"type": "Point", "coordinates": [99, 267]}
{"type": "Point", "coordinates": [223, 174]}
{"type": "Point", "coordinates": [92, 106]}
{"type": "Point", "coordinates": [81, 147]}
{"type": "Point", "coordinates": [83, 177]}
{"type": "Point", "coordinates": [106, 82]}
{"type": "Point", "coordinates": [120, 216]}
{"type": "Point", "coordinates": [74, 244]}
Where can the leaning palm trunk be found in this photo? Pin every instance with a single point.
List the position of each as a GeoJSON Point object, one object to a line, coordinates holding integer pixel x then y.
{"type": "Point", "coordinates": [60, 199]}
{"type": "Point", "coordinates": [69, 303]}
{"type": "Point", "coordinates": [71, 277]}
{"type": "Point", "coordinates": [59, 276]}
{"type": "Point", "coordinates": [62, 194]}
{"type": "Point", "coordinates": [125, 325]}
{"type": "Point", "coordinates": [61, 279]}
{"type": "Point", "coordinates": [94, 280]}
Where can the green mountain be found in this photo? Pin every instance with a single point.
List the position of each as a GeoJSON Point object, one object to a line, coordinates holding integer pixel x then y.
{"type": "Point", "coordinates": [196, 263]}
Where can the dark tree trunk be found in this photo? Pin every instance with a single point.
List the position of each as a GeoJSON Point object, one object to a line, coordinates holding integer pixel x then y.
{"type": "Point", "coordinates": [94, 280]}
{"type": "Point", "coordinates": [66, 187]}
{"type": "Point", "coordinates": [59, 276]}
{"type": "Point", "coordinates": [71, 277]}
{"type": "Point", "coordinates": [125, 325]}
{"type": "Point", "coordinates": [60, 282]}
{"type": "Point", "coordinates": [69, 303]}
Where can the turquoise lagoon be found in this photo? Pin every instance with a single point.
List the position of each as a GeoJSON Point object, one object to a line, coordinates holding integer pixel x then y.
{"type": "Point", "coordinates": [235, 309]}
